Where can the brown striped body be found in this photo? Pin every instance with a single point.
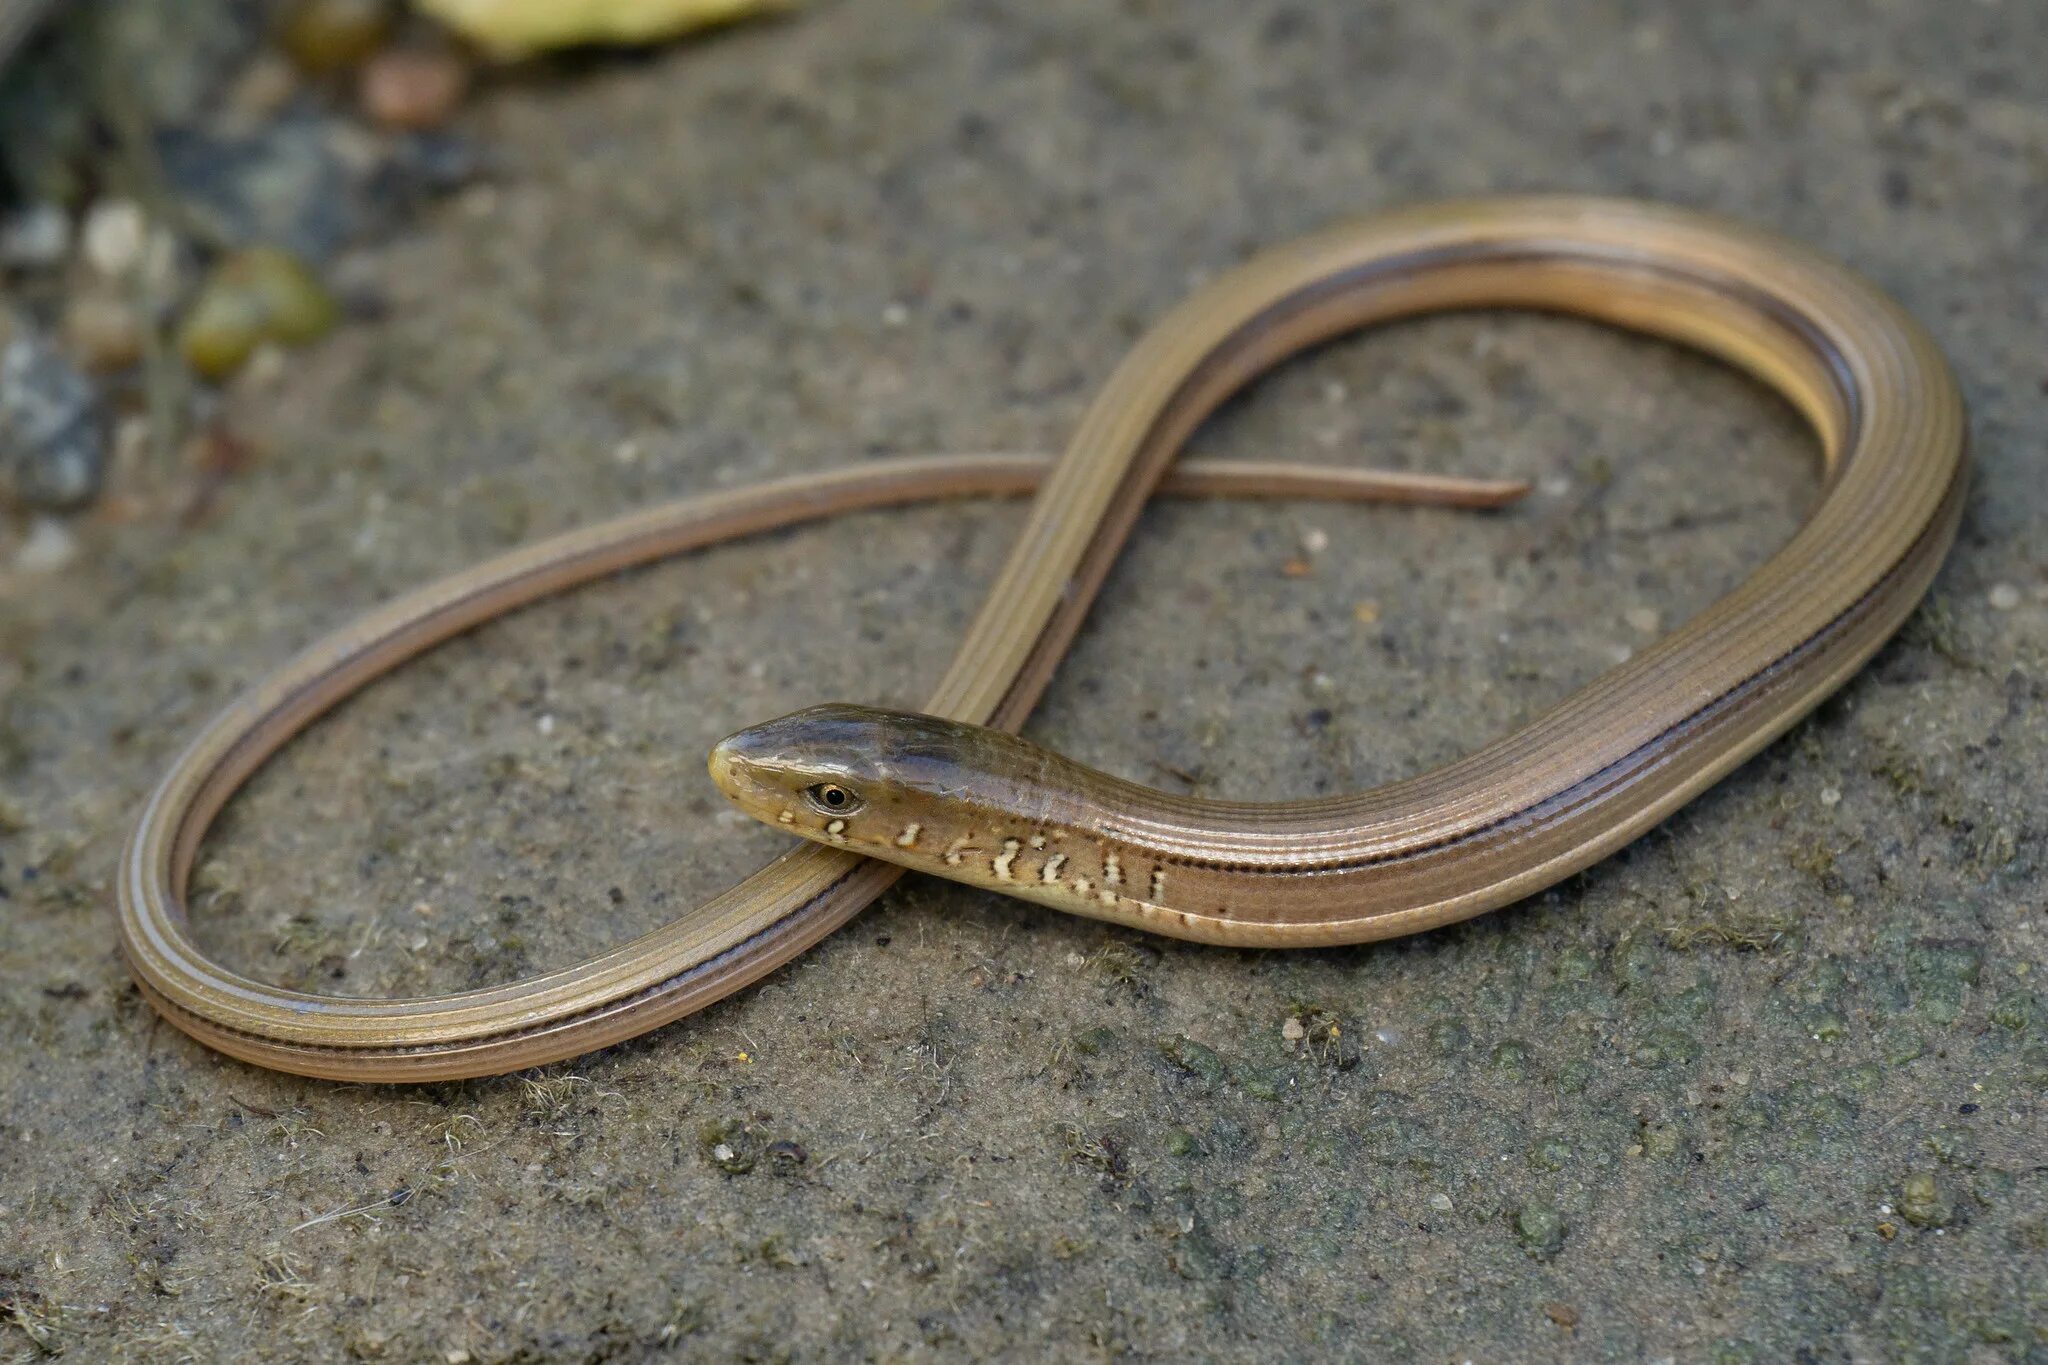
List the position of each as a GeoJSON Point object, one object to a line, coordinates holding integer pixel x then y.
{"type": "Point", "coordinates": [1513, 817]}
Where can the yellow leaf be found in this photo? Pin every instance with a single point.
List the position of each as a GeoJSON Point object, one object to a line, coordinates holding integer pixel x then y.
{"type": "Point", "coordinates": [518, 28]}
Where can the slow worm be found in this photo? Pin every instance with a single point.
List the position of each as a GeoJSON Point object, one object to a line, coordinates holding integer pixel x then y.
{"type": "Point", "coordinates": [1598, 769]}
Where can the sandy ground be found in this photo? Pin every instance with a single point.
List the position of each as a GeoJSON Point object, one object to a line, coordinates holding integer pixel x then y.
{"type": "Point", "coordinates": [1767, 1086]}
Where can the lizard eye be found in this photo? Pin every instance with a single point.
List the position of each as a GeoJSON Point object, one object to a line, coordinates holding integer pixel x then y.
{"type": "Point", "coordinates": [831, 798]}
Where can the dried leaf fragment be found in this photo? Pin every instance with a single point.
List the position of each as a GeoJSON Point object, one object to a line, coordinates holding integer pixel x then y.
{"type": "Point", "coordinates": [519, 28]}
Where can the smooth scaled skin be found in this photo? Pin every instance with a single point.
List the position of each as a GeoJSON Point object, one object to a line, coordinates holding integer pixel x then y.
{"type": "Point", "coordinates": [961, 801]}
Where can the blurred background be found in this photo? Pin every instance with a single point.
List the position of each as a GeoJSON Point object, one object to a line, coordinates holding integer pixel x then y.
{"type": "Point", "coordinates": [182, 184]}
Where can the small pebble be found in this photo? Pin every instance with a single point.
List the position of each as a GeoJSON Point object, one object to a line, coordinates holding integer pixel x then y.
{"type": "Point", "coordinates": [2003, 597]}
{"type": "Point", "coordinates": [1540, 1230]}
{"type": "Point", "coordinates": [257, 295]}
{"type": "Point", "coordinates": [102, 330]}
{"type": "Point", "coordinates": [48, 547]}
{"type": "Point", "coordinates": [1292, 1030]}
{"type": "Point", "coordinates": [1440, 1202]}
{"type": "Point", "coordinates": [35, 238]}
{"type": "Point", "coordinates": [222, 331]}
{"type": "Point", "coordinates": [332, 35]}
{"type": "Point", "coordinates": [53, 448]}
{"type": "Point", "coordinates": [1923, 1202]}
{"type": "Point", "coordinates": [1366, 613]}
{"type": "Point", "coordinates": [113, 237]}
{"type": "Point", "coordinates": [1644, 619]}
{"type": "Point", "coordinates": [413, 90]}
{"type": "Point", "coordinates": [1315, 540]}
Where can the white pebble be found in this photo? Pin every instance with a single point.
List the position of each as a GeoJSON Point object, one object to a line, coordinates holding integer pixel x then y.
{"type": "Point", "coordinates": [50, 546]}
{"type": "Point", "coordinates": [895, 315]}
{"type": "Point", "coordinates": [1315, 540]}
{"type": "Point", "coordinates": [546, 724]}
{"type": "Point", "coordinates": [2003, 597]}
{"type": "Point", "coordinates": [1831, 796]}
{"type": "Point", "coordinates": [114, 235]}
{"type": "Point", "coordinates": [1644, 619]}
{"type": "Point", "coordinates": [1440, 1202]}
{"type": "Point", "coordinates": [1292, 1030]}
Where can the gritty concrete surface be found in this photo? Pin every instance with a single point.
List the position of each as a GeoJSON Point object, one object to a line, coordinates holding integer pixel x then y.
{"type": "Point", "coordinates": [1768, 1086]}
